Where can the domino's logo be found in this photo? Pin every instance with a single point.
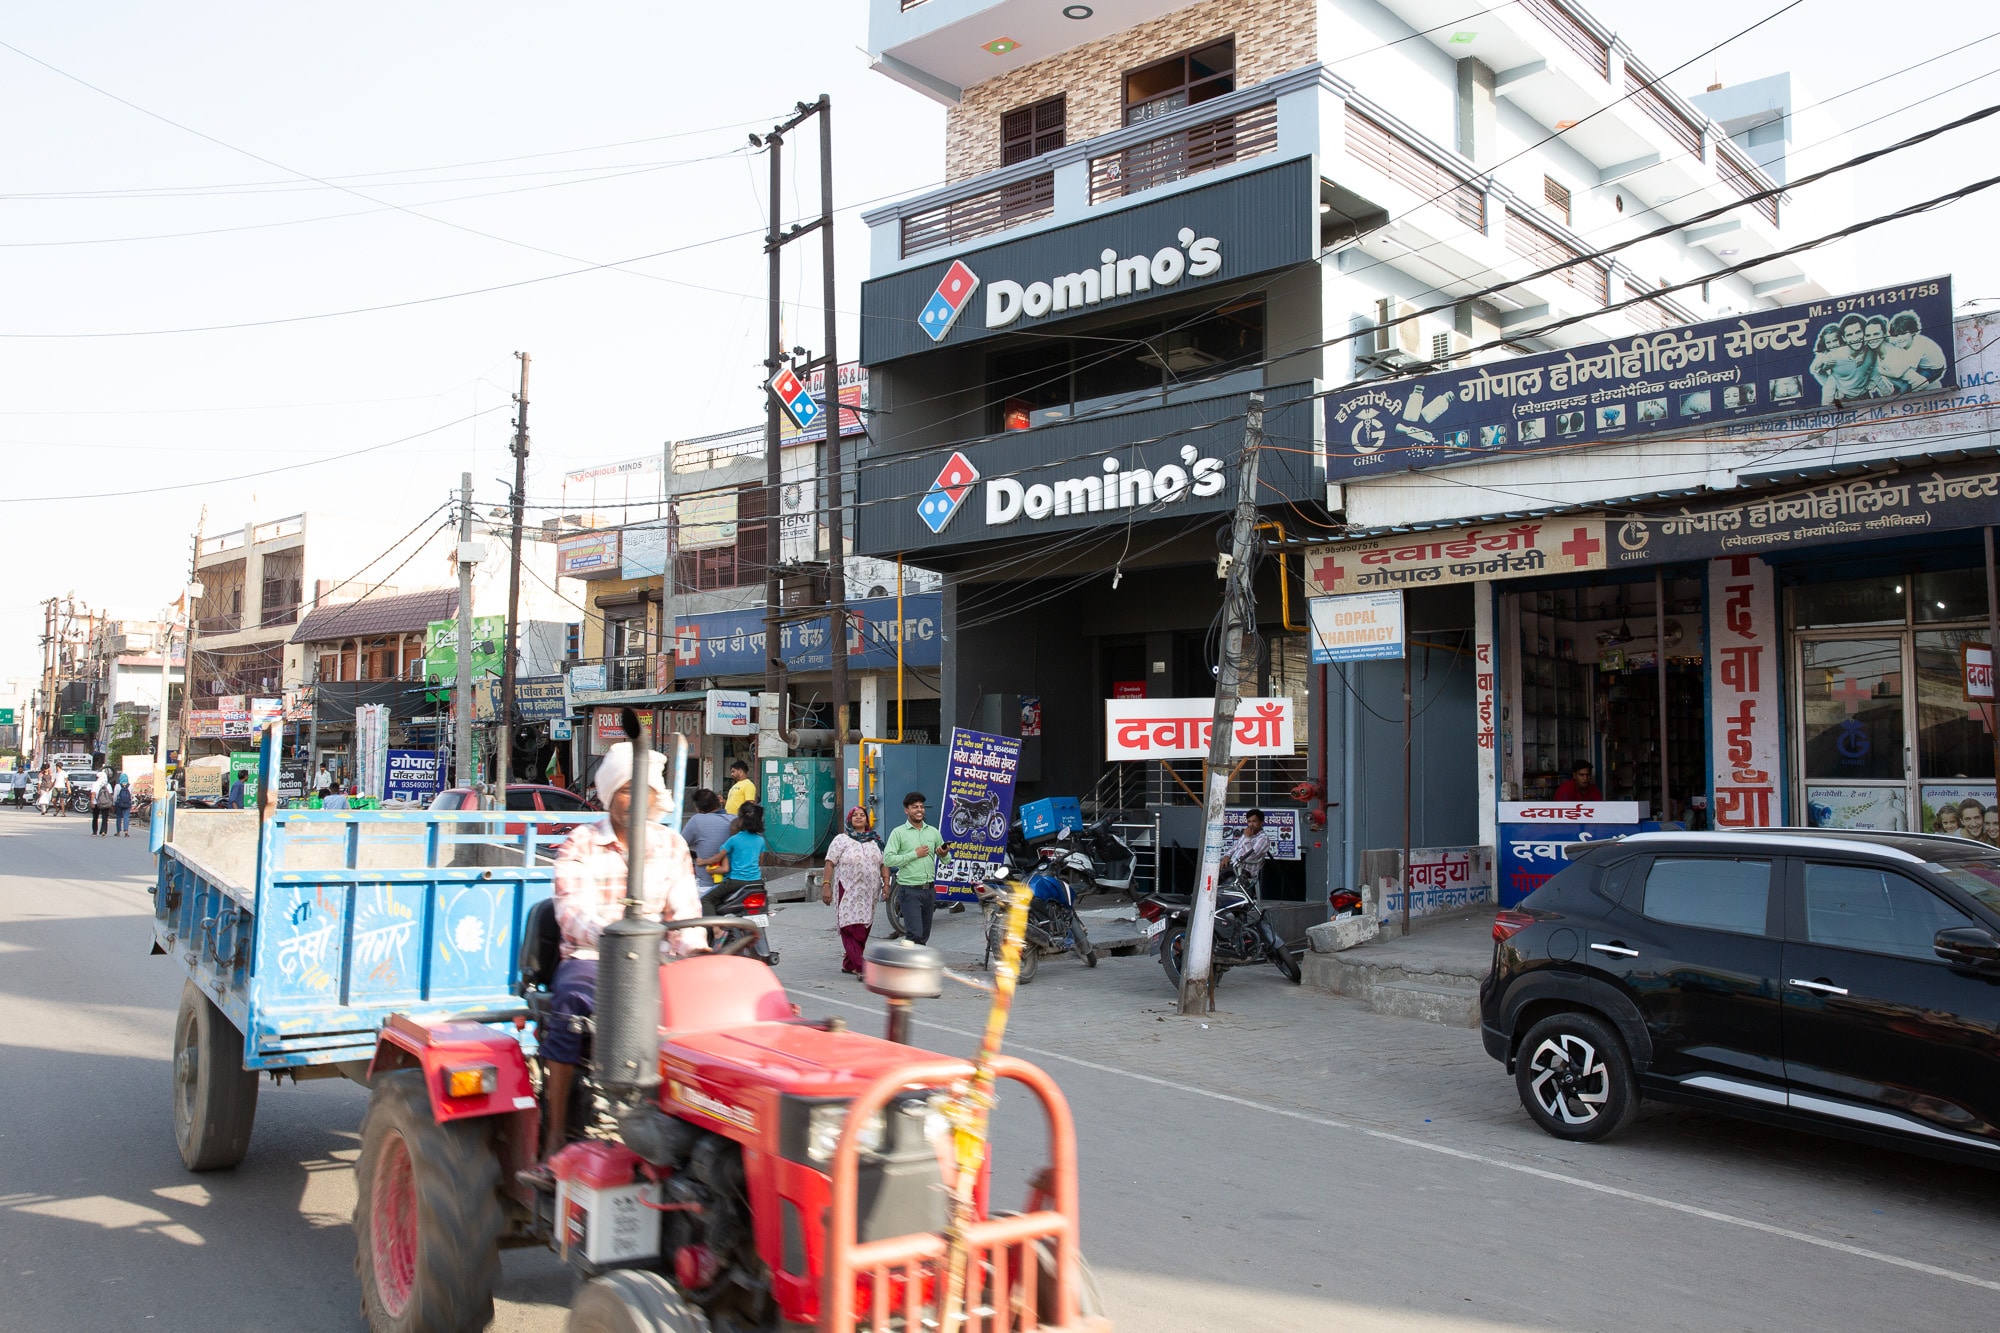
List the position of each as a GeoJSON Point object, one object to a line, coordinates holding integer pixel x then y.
{"type": "Point", "coordinates": [953, 294]}
{"type": "Point", "coordinates": [948, 492]}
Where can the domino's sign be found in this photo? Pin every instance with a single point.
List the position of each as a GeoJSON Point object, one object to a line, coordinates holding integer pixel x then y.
{"type": "Point", "coordinates": [1115, 275]}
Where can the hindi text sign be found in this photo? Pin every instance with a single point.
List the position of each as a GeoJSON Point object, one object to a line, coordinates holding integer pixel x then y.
{"type": "Point", "coordinates": [977, 808]}
{"type": "Point", "coordinates": [1180, 728]}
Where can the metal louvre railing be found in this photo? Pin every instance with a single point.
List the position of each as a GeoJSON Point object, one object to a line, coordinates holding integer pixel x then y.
{"type": "Point", "coordinates": [1544, 249]}
{"type": "Point", "coordinates": [980, 214]}
{"type": "Point", "coordinates": [1410, 166]}
{"type": "Point", "coordinates": [1646, 93]}
{"type": "Point", "coordinates": [1742, 175]}
{"type": "Point", "coordinates": [1183, 153]}
{"type": "Point", "coordinates": [1572, 32]}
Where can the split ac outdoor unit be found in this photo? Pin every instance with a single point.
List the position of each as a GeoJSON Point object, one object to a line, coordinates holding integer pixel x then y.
{"type": "Point", "coordinates": [1397, 340]}
{"type": "Point", "coordinates": [1177, 352]}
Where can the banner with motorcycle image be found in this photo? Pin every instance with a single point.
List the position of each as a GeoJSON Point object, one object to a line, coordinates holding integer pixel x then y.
{"type": "Point", "coordinates": [978, 806]}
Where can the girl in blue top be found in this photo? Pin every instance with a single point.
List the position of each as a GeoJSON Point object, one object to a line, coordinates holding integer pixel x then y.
{"type": "Point", "coordinates": [742, 854]}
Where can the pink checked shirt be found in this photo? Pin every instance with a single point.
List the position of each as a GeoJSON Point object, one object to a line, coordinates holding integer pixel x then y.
{"type": "Point", "coordinates": [590, 887]}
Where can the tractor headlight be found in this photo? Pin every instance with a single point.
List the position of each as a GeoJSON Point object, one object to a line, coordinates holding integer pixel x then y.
{"type": "Point", "coordinates": [824, 1125]}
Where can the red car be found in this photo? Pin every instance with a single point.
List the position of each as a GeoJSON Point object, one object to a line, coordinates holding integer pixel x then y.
{"type": "Point", "coordinates": [520, 796]}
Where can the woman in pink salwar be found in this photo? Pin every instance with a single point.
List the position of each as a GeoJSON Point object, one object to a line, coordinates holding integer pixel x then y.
{"type": "Point", "coordinates": [854, 882]}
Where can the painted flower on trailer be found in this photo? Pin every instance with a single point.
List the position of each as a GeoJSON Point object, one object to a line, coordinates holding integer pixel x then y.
{"type": "Point", "coordinates": [469, 934]}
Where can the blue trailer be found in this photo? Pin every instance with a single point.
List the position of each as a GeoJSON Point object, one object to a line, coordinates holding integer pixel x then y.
{"type": "Point", "coordinates": [302, 931]}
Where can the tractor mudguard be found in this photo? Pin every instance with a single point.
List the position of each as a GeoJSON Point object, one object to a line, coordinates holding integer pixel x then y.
{"type": "Point", "coordinates": [440, 1048]}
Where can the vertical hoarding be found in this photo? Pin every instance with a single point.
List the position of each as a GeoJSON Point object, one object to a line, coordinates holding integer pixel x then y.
{"type": "Point", "coordinates": [371, 745]}
{"type": "Point", "coordinates": [978, 806]}
{"type": "Point", "coordinates": [1743, 693]}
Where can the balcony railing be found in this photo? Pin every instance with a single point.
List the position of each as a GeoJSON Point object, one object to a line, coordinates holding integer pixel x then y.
{"type": "Point", "coordinates": [226, 624]}
{"type": "Point", "coordinates": [1410, 166]}
{"type": "Point", "coordinates": [274, 616]}
{"type": "Point", "coordinates": [1650, 97]}
{"type": "Point", "coordinates": [980, 214]}
{"type": "Point", "coordinates": [1742, 175]}
{"type": "Point", "coordinates": [1183, 153]}
{"type": "Point", "coordinates": [1544, 249]}
{"type": "Point", "coordinates": [1573, 32]}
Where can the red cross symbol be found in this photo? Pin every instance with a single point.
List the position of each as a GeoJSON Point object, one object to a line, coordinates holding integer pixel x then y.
{"type": "Point", "coordinates": [1852, 693]}
{"type": "Point", "coordinates": [1328, 573]}
{"type": "Point", "coordinates": [1581, 546]}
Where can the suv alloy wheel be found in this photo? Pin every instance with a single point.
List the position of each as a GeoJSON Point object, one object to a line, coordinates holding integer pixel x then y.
{"type": "Point", "coordinates": [1575, 1078]}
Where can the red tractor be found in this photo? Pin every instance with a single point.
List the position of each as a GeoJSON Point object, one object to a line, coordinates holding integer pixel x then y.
{"type": "Point", "coordinates": [735, 1167]}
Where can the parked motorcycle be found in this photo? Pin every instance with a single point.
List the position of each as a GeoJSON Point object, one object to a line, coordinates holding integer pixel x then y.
{"type": "Point", "coordinates": [750, 902]}
{"type": "Point", "coordinates": [1110, 858]}
{"type": "Point", "coordinates": [1243, 934]}
{"type": "Point", "coordinates": [1054, 925]}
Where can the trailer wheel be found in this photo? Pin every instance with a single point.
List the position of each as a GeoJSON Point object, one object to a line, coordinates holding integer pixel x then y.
{"type": "Point", "coordinates": [633, 1300]}
{"type": "Point", "coordinates": [427, 1214]}
{"type": "Point", "coordinates": [215, 1097]}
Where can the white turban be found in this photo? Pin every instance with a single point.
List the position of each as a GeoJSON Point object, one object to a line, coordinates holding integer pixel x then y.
{"type": "Point", "coordinates": [616, 771]}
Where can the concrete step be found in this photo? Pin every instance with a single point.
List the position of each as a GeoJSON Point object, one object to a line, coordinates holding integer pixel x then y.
{"type": "Point", "coordinates": [1433, 1004]}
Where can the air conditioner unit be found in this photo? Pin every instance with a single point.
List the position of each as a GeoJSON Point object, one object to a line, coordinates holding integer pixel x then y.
{"type": "Point", "coordinates": [1177, 352]}
{"type": "Point", "coordinates": [1397, 341]}
{"type": "Point", "coordinates": [1448, 347]}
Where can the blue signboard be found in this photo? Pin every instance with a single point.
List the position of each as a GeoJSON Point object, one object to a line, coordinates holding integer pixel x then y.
{"type": "Point", "coordinates": [540, 699]}
{"type": "Point", "coordinates": [978, 805]}
{"type": "Point", "coordinates": [413, 776]}
{"type": "Point", "coordinates": [731, 643]}
{"type": "Point", "coordinates": [1889, 343]}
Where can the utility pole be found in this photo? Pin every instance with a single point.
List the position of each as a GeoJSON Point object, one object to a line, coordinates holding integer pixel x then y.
{"type": "Point", "coordinates": [189, 596]}
{"type": "Point", "coordinates": [467, 775]}
{"type": "Point", "coordinates": [506, 746]}
{"type": "Point", "coordinates": [1197, 984]}
{"type": "Point", "coordinates": [828, 364]}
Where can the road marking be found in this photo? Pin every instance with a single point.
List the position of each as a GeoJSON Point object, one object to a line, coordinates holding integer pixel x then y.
{"type": "Point", "coordinates": [1558, 1177]}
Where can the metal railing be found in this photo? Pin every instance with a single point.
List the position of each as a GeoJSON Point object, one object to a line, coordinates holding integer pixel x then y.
{"type": "Point", "coordinates": [1132, 785]}
{"type": "Point", "coordinates": [1415, 169]}
{"type": "Point", "coordinates": [1651, 98]}
{"type": "Point", "coordinates": [1544, 249]}
{"type": "Point", "coordinates": [1742, 175]}
{"type": "Point", "coordinates": [980, 214]}
{"type": "Point", "coordinates": [224, 624]}
{"type": "Point", "coordinates": [1170, 157]}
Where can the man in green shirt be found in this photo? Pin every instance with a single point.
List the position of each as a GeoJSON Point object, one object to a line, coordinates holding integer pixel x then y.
{"type": "Point", "coordinates": [912, 853]}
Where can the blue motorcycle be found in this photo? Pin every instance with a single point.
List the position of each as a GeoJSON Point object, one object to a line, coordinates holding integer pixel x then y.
{"type": "Point", "coordinates": [1054, 925]}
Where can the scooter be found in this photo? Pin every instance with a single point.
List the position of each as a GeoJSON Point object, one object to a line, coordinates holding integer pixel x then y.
{"type": "Point", "coordinates": [1111, 862]}
{"type": "Point", "coordinates": [1054, 926]}
{"type": "Point", "coordinates": [749, 901]}
{"type": "Point", "coordinates": [1243, 934]}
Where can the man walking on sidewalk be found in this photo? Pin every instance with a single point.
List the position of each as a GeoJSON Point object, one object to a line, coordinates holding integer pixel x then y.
{"type": "Point", "coordinates": [912, 854]}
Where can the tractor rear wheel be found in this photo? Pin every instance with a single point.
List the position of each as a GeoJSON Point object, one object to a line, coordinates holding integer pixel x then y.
{"type": "Point", "coordinates": [215, 1097]}
{"type": "Point", "coordinates": [427, 1214]}
{"type": "Point", "coordinates": [633, 1300]}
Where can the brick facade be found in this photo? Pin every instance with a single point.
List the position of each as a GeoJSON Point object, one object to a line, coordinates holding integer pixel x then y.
{"type": "Point", "coordinates": [1272, 37]}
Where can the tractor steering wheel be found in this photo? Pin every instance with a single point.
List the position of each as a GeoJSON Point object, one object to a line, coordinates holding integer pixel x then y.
{"type": "Point", "coordinates": [739, 932]}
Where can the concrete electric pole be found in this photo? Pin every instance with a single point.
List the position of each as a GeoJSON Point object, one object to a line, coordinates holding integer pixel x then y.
{"type": "Point", "coordinates": [468, 552]}
{"type": "Point", "coordinates": [506, 746]}
{"type": "Point", "coordinates": [1197, 984]}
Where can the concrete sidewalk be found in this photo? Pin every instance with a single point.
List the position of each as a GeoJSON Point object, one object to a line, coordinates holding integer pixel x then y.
{"type": "Point", "coordinates": [1432, 974]}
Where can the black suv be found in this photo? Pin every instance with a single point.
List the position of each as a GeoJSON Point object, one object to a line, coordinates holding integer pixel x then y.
{"type": "Point", "coordinates": [1847, 983]}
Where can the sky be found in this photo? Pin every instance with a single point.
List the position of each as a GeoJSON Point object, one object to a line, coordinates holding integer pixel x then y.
{"type": "Point", "coordinates": [271, 166]}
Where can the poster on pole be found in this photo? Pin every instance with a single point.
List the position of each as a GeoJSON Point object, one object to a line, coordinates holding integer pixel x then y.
{"type": "Point", "coordinates": [412, 776]}
{"type": "Point", "coordinates": [1357, 627]}
{"type": "Point", "coordinates": [977, 808]}
{"type": "Point", "coordinates": [371, 744]}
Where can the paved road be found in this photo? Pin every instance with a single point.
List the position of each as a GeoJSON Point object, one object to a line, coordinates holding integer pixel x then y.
{"type": "Point", "coordinates": [1293, 1162]}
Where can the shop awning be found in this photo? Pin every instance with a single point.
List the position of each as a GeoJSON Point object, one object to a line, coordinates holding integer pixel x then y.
{"type": "Point", "coordinates": [637, 698]}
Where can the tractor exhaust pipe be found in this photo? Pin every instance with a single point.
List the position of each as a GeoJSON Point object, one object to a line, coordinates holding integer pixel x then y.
{"type": "Point", "coordinates": [902, 972]}
{"type": "Point", "coordinates": [626, 1045]}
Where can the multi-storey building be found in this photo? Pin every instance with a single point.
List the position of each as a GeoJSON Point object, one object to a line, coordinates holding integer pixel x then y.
{"type": "Point", "coordinates": [1156, 210]}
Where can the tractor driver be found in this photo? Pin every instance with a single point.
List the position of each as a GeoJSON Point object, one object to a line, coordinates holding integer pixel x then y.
{"type": "Point", "coordinates": [589, 895]}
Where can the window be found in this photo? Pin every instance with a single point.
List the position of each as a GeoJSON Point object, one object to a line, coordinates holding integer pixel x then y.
{"type": "Point", "coordinates": [1713, 894]}
{"type": "Point", "coordinates": [1031, 131]}
{"type": "Point", "coordinates": [1556, 197]}
{"type": "Point", "coordinates": [1168, 85]}
{"type": "Point", "coordinates": [564, 803]}
{"type": "Point", "coordinates": [1858, 907]}
{"type": "Point", "coordinates": [737, 564]}
{"type": "Point", "coordinates": [1980, 878]}
{"type": "Point", "coordinates": [520, 799]}
{"type": "Point", "coordinates": [1851, 702]}
{"type": "Point", "coordinates": [1177, 358]}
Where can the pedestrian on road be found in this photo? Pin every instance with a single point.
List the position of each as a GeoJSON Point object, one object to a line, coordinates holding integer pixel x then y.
{"type": "Point", "coordinates": [59, 793]}
{"type": "Point", "coordinates": [741, 788]}
{"type": "Point", "coordinates": [742, 854]}
{"type": "Point", "coordinates": [335, 800]}
{"type": "Point", "coordinates": [121, 805]}
{"type": "Point", "coordinates": [237, 789]}
{"type": "Point", "coordinates": [45, 788]}
{"type": "Point", "coordinates": [855, 880]}
{"type": "Point", "coordinates": [103, 796]}
{"type": "Point", "coordinates": [912, 854]}
{"type": "Point", "coordinates": [706, 830]}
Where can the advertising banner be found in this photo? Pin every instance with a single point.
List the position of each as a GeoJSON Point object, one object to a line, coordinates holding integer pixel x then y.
{"type": "Point", "coordinates": [413, 775]}
{"type": "Point", "coordinates": [587, 554]}
{"type": "Point", "coordinates": [1357, 627]}
{"type": "Point", "coordinates": [441, 648]}
{"type": "Point", "coordinates": [1534, 833]}
{"type": "Point", "coordinates": [607, 728]}
{"type": "Point", "coordinates": [371, 745]}
{"type": "Point", "coordinates": [589, 677]}
{"type": "Point", "coordinates": [731, 643]}
{"type": "Point", "coordinates": [1567, 545]}
{"type": "Point", "coordinates": [644, 551]}
{"type": "Point", "coordinates": [1930, 499]}
{"type": "Point", "coordinates": [1961, 809]}
{"type": "Point", "coordinates": [1441, 879]}
{"type": "Point", "coordinates": [705, 521]}
{"type": "Point", "coordinates": [1743, 692]}
{"type": "Point", "coordinates": [244, 762]}
{"type": "Point", "coordinates": [540, 698]}
{"type": "Point", "coordinates": [728, 713]}
{"type": "Point", "coordinates": [1182, 728]}
{"type": "Point", "coordinates": [1282, 825]}
{"type": "Point", "coordinates": [1886, 343]}
{"type": "Point", "coordinates": [1975, 672]}
{"type": "Point", "coordinates": [1883, 809]}
{"type": "Point", "coordinates": [978, 806]}
{"type": "Point", "coordinates": [853, 396]}
{"type": "Point", "coordinates": [291, 779]}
